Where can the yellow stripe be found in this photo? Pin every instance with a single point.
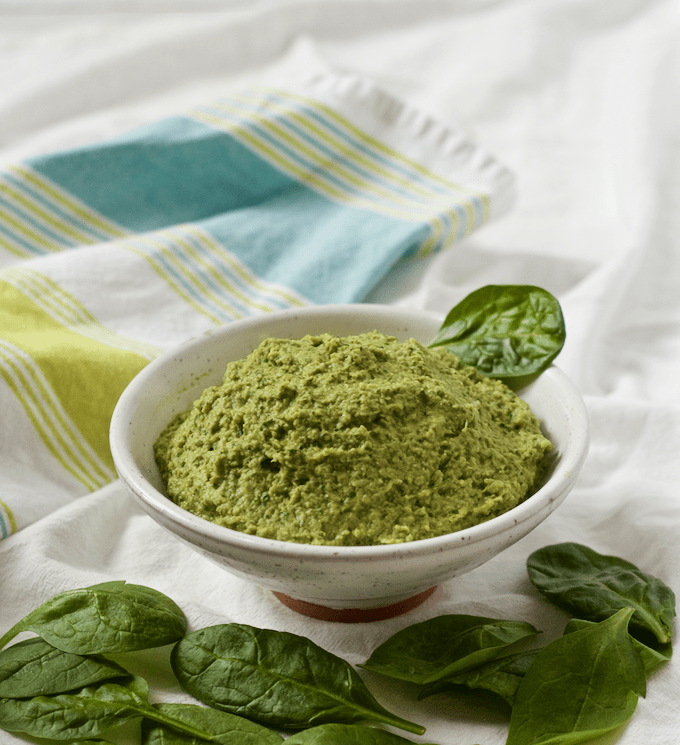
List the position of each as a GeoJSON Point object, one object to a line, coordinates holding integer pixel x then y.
{"type": "Point", "coordinates": [67, 311]}
{"type": "Point", "coordinates": [377, 144]}
{"type": "Point", "coordinates": [440, 234]}
{"type": "Point", "coordinates": [314, 176]}
{"type": "Point", "coordinates": [387, 152]}
{"type": "Point", "coordinates": [59, 225]}
{"type": "Point", "coordinates": [153, 263]}
{"type": "Point", "coordinates": [409, 208]}
{"type": "Point", "coordinates": [17, 250]}
{"type": "Point", "coordinates": [85, 377]}
{"type": "Point", "coordinates": [346, 174]}
{"type": "Point", "coordinates": [393, 155]}
{"type": "Point", "coordinates": [167, 253]}
{"type": "Point", "coordinates": [238, 268]}
{"type": "Point", "coordinates": [348, 152]}
{"type": "Point", "coordinates": [45, 424]}
{"type": "Point", "coordinates": [313, 179]}
{"type": "Point", "coordinates": [43, 291]}
{"type": "Point", "coordinates": [10, 517]}
{"type": "Point", "coordinates": [31, 235]}
{"type": "Point", "coordinates": [189, 257]}
{"type": "Point", "coordinates": [219, 278]}
{"type": "Point", "coordinates": [69, 203]}
{"type": "Point", "coordinates": [261, 147]}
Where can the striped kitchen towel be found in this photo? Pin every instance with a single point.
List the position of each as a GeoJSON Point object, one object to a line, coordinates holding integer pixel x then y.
{"type": "Point", "coordinates": [113, 252]}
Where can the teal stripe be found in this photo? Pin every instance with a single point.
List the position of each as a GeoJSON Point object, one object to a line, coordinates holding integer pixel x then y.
{"type": "Point", "coordinates": [175, 171]}
{"type": "Point", "coordinates": [324, 252]}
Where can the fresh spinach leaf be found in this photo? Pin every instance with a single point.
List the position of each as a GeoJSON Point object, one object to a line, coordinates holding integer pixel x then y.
{"type": "Point", "coordinates": [226, 729]}
{"type": "Point", "coordinates": [35, 668]}
{"type": "Point", "coordinates": [505, 331]}
{"type": "Point", "coordinates": [443, 646]}
{"type": "Point", "coordinates": [275, 677]}
{"type": "Point", "coordinates": [501, 676]}
{"type": "Point", "coordinates": [580, 686]}
{"type": "Point", "coordinates": [87, 713]}
{"type": "Point", "coordinates": [593, 586]}
{"type": "Point", "coordinates": [651, 657]}
{"type": "Point", "coordinates": [345, 734]}
{"type": "Point", "coordinates": [105, 618]}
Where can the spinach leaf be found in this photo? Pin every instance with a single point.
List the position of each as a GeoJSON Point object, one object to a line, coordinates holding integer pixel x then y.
{"type": "Point", "coordinates": [443, 646]}
{"type": "Point", "coordinates": [226, 729]}
{"type": "Point", "coordinates": [345, 734]}
{"type": "Point", "coordinates": [105, 618]}
{"type": "Point", "coordinates": [88, 713]}
{"type": "Point", "coordinates": [592, 586]}
{"type": "Point", "coordinates": [580, 686]}
{"type": "Point", "coordinates": [505, 331]}
{"type": "Point", "coordinates": [35, 668]}
{"type": "Point", "coordinates": [651, 657]}
{"type": "Point", "coordinates": [501, 676]}
{"type": "Point", "coordinates": [274, 677]}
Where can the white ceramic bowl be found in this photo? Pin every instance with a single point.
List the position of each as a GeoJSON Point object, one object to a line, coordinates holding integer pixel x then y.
{"type": "Point", "coordinates": [335, 583]}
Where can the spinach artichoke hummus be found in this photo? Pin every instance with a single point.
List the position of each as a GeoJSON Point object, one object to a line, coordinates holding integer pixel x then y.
{"type": "Point", "coordinates": [352, 441]}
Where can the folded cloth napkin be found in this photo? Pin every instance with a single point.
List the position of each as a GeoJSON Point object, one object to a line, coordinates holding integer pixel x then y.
{"type": "Point", "coordinates": [112, 252]}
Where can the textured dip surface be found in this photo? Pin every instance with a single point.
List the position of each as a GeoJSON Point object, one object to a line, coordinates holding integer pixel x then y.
{"type": "Point", "coordinates": [356, 440]}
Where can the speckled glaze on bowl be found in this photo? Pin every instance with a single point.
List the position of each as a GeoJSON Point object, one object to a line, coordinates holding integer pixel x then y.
{"type": "Point", "coordinates": [330, 582]}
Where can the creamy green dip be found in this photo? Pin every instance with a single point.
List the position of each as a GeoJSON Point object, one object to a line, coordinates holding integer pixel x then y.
{"type": "Point", "coordinates": [348, 441]}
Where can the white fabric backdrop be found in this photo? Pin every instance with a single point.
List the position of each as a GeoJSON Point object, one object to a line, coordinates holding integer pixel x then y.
{"type": "Point", "coordinates": [581, 99]}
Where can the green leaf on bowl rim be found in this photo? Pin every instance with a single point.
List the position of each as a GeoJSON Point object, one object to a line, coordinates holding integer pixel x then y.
{"type": "Point", "coordinates": [509, 332]}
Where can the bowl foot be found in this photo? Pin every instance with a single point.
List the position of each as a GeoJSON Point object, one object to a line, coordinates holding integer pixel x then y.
{"type": "Point", "coordinates": [354, 615]}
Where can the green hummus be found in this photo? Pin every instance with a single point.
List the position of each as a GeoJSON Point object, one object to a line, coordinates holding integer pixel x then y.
{"type": "Point", "coordinates": [352, 441]}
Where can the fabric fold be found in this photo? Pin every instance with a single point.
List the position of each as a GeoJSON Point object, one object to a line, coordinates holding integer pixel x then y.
{"type": "Point", "coordinates": [274, 198]}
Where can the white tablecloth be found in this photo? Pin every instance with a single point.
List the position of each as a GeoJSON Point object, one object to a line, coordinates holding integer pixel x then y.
{"type": "Point", "coordinates": [581, 101]}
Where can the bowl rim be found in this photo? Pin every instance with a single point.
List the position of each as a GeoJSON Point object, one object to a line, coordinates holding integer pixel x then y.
{"type": "Point", "coordinates": [131, 475]}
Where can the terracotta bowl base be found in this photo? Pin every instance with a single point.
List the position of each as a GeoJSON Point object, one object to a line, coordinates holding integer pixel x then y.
{"type": "Point", "coordinates": [354, 615]}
